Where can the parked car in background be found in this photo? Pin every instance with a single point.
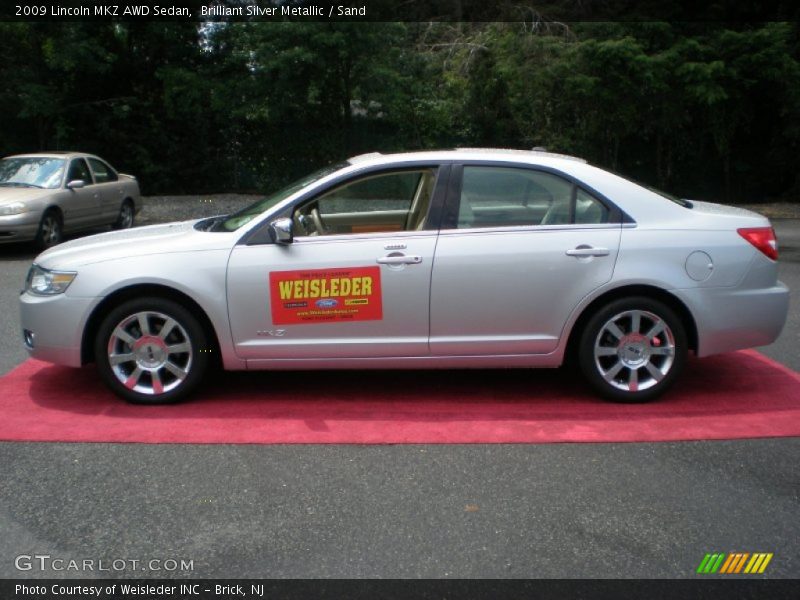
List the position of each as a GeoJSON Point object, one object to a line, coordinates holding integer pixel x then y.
{"type": "Point", "coordinates": [46, 195]}
{"type": "Point", "coordinates": [470, 258]}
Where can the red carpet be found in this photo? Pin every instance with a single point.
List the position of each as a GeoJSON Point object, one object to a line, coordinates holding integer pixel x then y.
{"type": "Point", "coordinates": [740, 395]}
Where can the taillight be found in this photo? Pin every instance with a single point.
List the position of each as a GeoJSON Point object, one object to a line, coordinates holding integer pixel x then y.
{"type": "Point", "coordinates": [762, 238]}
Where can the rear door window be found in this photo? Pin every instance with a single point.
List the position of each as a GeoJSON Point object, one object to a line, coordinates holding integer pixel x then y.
{"type": "Point", "coordinates": [102, 172]}
{"type": "Point", "coordinates": [512, 196]}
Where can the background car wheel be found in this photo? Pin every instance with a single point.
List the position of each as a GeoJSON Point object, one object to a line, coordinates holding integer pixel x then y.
{"type": "Point", "coordinates": [125, 217]}
{"type": "Point", "coordinates": [633, 349]}
{"type": "Point", "coordinates": [151, 351]}
{"type": "Point", "coordinates": [51, 230]}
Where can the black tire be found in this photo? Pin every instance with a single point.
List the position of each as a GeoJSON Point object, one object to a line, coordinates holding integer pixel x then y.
{"type": "Point", "coordinates": [51, 230]}
{"type": "Point", "coordinates": [153, 369]}
{"type": "Point", "coordinates": [643, 363]}
{"type": "Point", "coordinates": [126, 216]}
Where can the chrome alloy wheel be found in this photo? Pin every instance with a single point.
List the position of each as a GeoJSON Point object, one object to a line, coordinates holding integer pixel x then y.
{"type": "Point", "coordinates": [634, 350]}
{"type": "Point", "coordinates": [150, 353]}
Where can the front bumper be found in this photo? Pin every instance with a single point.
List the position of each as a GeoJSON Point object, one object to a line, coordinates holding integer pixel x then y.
{"type": "Point", "coordinates": [52, 326]}
{"type": "Point", "coordinates": [730, 319]}
{"type": "Point", "coordinates": [19, 228]}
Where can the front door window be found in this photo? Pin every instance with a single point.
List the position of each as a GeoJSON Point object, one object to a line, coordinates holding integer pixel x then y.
{"type": "Point", "coordinates": [78, 170]}
{"type": "Point", "coordinates": [385, 202]}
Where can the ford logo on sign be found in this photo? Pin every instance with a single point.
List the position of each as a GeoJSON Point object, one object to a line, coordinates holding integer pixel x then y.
{"type": "Point", "coordinates": [327, 303]}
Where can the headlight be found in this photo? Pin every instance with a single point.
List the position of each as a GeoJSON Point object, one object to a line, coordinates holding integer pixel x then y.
{"type": "Point", "coordinates": [15, 208]}
{"type": "Point", "coordinates": [44, 282]}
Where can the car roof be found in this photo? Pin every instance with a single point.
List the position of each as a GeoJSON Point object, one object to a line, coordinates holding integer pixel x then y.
{"type": "Point", "coordinates": [54, 154]}
{"type": "Point", "coordinates": [535, 156]}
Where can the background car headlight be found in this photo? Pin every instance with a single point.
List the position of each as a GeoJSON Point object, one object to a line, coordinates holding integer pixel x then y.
{"type": "Point", "coordinates": [15, 208]}
{"type": "Point", "coordinates": [44, 282]}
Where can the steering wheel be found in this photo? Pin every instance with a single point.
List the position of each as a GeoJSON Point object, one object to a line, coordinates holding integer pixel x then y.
{"type": "Point", "coordinates": [302, 224]}
{"type": "Point", "coordinates": [315, 216]}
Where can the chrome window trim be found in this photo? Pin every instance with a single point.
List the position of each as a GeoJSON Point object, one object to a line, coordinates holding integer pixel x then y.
{"type": "Point", "coordinates": [533, 228]}
{"type": "Point", "coordinates": [375, 235]}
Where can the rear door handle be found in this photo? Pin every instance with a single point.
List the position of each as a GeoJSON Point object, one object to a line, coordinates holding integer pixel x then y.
{"type": "Point", "coordinates": [395, 258]}
{"type": "Point", "coordinates": [584, 250]}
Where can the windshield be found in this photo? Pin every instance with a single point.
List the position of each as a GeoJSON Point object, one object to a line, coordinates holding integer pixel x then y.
{"type": "Point", "coordinates": [238, 219]}
{"type": "Point", "coordinates": [31, 172]}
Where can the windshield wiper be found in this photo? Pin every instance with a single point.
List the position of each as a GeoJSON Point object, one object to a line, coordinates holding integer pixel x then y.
{"type": "Point", "coordinates": [211, 223]}
{"type": "Point", "coordinates": [21, 184]}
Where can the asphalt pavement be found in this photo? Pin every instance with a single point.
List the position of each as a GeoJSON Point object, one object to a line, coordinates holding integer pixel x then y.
{"type": "Point", "coordinates": [494, 511]}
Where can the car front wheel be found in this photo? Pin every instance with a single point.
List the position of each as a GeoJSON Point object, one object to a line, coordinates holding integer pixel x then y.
{"type": "Point", "coordinates": [125, 217]}
{"type": "Point", "coordinates": [633, 349]}
{"type": "Point", "coordinates": [51, 230]}
{"type": "Point", "coordinates": [151, 351]}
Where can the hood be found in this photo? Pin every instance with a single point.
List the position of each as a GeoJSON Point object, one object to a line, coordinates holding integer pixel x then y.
{"type": "Point", "coordinates": [139, 241]}
{"type": "Point", "coordinates": [22, 194]}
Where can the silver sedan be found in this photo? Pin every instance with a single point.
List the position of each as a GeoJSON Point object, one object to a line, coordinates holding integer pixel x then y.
{"type": "Point", "coordinates": [467, 258]}
{"type": "Point", "coordinates": [45, 195]}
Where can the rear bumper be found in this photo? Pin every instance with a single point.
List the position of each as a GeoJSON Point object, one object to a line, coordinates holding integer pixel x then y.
{"type": "Point", "coordinates": [730, 319]}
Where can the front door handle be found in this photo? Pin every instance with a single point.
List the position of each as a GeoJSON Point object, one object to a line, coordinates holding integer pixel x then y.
{"type": "Point", "coordinates": [584, 250]}
{"type": "Point", "coordinates": [396, 258]}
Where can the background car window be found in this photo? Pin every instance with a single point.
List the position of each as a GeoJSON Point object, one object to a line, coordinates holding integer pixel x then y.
{"type": "Point", "coordinates": [102, 172]}
{"type": "Point", "coordinates": [79, 170]}
{"type": "Point", "coordinates": [507, 197]}
{"type": "Point", "coordinates": [394, 201]}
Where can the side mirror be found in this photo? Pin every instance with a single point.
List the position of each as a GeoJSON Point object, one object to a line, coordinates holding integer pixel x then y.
{"type": "Point", "coordinates": [281, 231]}
{"type": "Point", "coordinates": [76, 184]}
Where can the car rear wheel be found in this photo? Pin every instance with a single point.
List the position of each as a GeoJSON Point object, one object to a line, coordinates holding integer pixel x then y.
{"type": "Point", "coordinates": [633, 349]}
{"type": "Point", "coordinates": [51, 230]}
{"type": "Point", "coordinates": [125, 217]}
{"type": "Point", "coordinates": [151, 351]}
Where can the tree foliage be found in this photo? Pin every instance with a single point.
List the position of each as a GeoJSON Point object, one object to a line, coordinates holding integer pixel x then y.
{"type": "Point", "coordinates": [700, 109]}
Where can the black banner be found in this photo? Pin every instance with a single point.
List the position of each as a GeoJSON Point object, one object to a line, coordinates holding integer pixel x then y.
{"type": "Point", "coordinates": [370, 589]}
{"type": "Point", "coordinates": [399, 10]}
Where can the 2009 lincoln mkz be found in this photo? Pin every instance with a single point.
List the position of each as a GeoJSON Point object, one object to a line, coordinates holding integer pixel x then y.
{"type": "Point", "coordinates": [464, 258]}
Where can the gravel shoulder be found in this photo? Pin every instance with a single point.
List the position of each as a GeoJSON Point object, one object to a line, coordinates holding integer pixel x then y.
{"type": "Point", "coordinates": [165, 209]}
